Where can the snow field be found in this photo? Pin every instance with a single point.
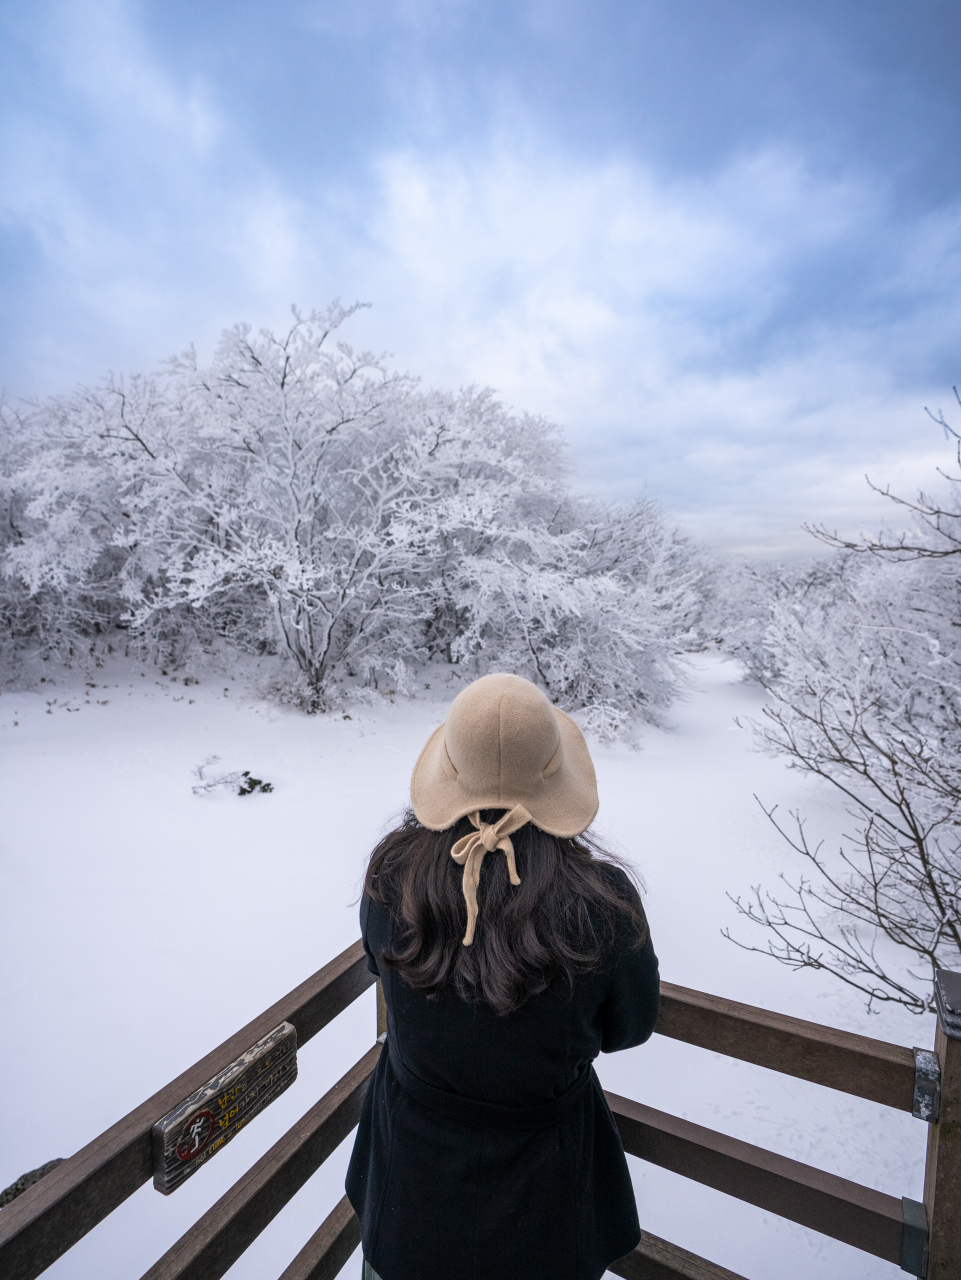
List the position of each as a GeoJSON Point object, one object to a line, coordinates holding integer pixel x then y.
{"type": "Point", "coordinates": [142, 925]}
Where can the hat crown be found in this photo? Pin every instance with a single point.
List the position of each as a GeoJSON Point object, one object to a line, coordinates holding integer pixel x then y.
{"type": "Point", "coordinates": [505, 745]}
{"type": "Point", "coordinates": [501, 735]}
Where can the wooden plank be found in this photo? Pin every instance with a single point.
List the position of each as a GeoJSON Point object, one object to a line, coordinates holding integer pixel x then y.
{"type": "Point", "coordinates": [26, 1180]}
{"type": "Point", "coordinates": [657, 1259]}
{"type": "Point", "coordinates": [53, 1215]}
{"type": "Point", "coordinates": [381, 1010]}
{"type": "Point", "coordinates": [327, 1251]}
{"type": "Point", "coordinates": [215, 1241]}
{"type": "Point", "coordinates": [860, 1216]}
{"type": "Point", "coordinates": [867, 1068]}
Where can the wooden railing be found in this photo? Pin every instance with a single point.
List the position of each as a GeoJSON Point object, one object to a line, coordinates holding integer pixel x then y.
{"type": "Point", "coordinates": [51, 1216]}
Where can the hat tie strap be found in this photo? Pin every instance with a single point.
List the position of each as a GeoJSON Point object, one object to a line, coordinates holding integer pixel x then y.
{"type": "Point", "coordinates": [469, 852]}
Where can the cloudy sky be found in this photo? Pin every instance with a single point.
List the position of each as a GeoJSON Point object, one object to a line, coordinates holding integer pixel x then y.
{"type": "Point", "coordinates": [718, 240]}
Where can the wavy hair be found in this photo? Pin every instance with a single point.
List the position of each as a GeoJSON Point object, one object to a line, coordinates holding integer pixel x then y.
{"type": "Point", "coordinates": [561, 920]}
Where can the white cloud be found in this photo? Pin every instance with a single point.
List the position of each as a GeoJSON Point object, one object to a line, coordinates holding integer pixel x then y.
{"type": "Point", "coordinates": [665, 324]}
{"type": "Point", "coordinates": [102, 56]}
{"type": "Point", "coordinates": [153, 221]}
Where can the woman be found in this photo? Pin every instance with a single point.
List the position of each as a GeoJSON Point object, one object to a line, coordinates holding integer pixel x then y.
{"type": "Point", "coordinates": [486, 1150]}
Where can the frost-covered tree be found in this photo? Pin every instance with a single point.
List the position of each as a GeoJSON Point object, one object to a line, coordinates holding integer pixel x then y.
{"type": "Point", "coordinates": [865, 678]}
{"type": "Point", "coordinates": [297, 494]}
{"type": "Point", "coordinates": [286, 503]}
{"type": "Point", "coordinates": [61, 582]}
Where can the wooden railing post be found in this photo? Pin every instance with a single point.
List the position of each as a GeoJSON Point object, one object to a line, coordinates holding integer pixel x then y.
{"type": "Point", "coordinates": [942, 1174]}
{"type": "Point", "coordinates": [381, 1012]}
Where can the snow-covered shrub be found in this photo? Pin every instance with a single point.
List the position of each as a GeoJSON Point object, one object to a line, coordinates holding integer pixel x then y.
{"type": "Point", "coordinates": [743, 596]}
{"type": "Point", "coordinates": [33, 611]}
{"type": "Point", "coordinates": [239, 781]}
{"type": "Point", "coordinates": [297, 497]}
{"type": "Point", "coordinates": [81, 473]}
{"type": "Point", "coordinates": [594, 607]}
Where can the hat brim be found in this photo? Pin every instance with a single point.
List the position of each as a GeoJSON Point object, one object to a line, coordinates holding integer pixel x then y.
{"type": "Point", "coordinates": [564, 803]}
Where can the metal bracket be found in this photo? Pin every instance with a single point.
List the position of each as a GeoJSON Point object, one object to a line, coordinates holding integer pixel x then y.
{"type": "Point", "coordinates": [947, 999]}
{"type": "Point", "coordinates": [927, 1086]}
{"type": "Point", "coordinates": [914, 1238]}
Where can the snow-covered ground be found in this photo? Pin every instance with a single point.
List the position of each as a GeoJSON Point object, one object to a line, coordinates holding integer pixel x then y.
{"type": "Point", "coordinates": [142, 924]}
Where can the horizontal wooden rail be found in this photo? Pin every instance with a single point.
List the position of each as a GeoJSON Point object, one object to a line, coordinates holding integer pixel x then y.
{"type": "Point", "coordinates": [53, 1215]}
{"type": "Point", "coordinates": [656, 1259]}
{"type": "Point", "coordinates": [860, 1216]}
{"type": "Point", "coordinates": [871, 1069]}
{"type": "Point", "coordinates": [216, 1240]}
{"type": "Point", "coordinates": [326, 1252]}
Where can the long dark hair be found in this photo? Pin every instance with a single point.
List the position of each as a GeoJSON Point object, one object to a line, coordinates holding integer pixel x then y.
{"type": "Point", "coordinates": [561, 919]}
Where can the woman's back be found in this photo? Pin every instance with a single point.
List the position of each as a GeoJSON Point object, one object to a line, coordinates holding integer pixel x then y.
{"type": "Point", "coordinates": [486, 1148]}
{"type": "Point", "coordinates": [534, 1053]}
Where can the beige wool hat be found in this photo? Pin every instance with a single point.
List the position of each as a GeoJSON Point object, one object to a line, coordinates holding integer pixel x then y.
{"type": "Point", "coordinates": [503, 746]}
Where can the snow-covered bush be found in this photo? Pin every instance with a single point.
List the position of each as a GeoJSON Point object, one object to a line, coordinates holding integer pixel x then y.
{"type": "Point", "coordinates": [240, 781]}
{"type": "Point", "coordinates": [742, 597]}
{"type": "Point", "coordinates": [298, 497]}
{"type": "Point", "coordinates": [593, 607]}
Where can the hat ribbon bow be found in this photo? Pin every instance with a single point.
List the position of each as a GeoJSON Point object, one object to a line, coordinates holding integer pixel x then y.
{"type": "Point", "coordinates": [469, 852]}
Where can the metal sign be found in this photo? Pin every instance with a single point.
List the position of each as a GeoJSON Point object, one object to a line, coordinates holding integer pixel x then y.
{"type": "Point", "coordinates": [205, 1122]}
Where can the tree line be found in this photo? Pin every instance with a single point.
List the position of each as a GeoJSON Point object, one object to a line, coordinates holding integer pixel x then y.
{"type": "Point", "coordinates": [298, 497]}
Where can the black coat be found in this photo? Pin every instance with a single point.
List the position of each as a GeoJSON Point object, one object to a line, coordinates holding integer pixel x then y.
{"type": "Point", "coordinates": [463, 1182]}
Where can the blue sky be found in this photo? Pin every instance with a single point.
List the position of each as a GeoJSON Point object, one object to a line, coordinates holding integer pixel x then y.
{"type": "Point", "coordinates": [719, 242]}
